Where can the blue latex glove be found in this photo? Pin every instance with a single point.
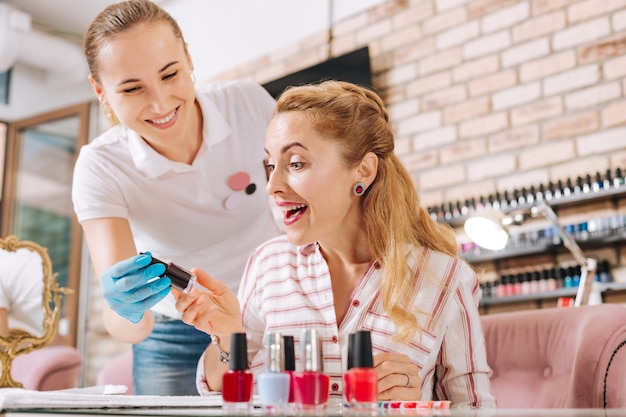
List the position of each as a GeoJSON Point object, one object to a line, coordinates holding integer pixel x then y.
{"type": "Point", "coordinates": [130, 288]}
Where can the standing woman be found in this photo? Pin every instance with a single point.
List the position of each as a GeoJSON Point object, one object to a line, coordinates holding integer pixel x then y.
{"type": "Point", "coordinates": [179, 174]}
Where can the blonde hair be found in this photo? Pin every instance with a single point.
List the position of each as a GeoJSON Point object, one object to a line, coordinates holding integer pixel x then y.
{"type": "Point", "coordinates": [118, 18]}
{"type": "Point", "coordinates": [356, 118]}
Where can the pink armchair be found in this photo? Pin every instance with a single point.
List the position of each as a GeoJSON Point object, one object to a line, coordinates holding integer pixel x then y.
{"type": "Point", "coordinates": [48, 368]}
{"type": "Point", "coordinates": [571, 357]}
{"type": "Point", "coordinates": [118, 371]}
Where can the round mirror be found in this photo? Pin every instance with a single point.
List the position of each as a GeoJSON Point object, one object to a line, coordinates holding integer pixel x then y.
{"type": "Point", "coordinates": [30, 302]}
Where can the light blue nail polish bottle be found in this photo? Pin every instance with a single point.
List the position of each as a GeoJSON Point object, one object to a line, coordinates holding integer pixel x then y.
{"type": "Point", "coordinates": [273, 383]}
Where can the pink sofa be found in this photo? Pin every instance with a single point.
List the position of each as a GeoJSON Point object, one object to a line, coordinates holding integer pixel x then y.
{"type": "Point", "coordinates": [48, 368]}
{"type": "Point", "coordinates": [558, 357]}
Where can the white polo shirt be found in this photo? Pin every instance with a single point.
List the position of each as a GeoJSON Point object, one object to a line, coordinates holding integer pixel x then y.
{"type": "Point", "coordinates": [210, 214]}
{"type": "Point", "coordinates": [21, 289]}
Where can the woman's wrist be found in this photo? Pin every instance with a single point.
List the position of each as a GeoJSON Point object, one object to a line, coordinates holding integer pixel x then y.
{"type": "Point", "coordinates": [222, 355]}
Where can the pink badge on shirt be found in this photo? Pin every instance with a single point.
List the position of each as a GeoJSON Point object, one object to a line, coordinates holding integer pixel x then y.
{"type": "Point", "coordinates": [237, 182]}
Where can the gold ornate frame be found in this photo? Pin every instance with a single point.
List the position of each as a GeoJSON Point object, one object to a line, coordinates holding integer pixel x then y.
{"type": "Point", "coordinates": [20, 343]}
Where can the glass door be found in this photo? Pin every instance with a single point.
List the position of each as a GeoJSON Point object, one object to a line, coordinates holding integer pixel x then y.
{"type": "Point", "coordinates": [36, 199]}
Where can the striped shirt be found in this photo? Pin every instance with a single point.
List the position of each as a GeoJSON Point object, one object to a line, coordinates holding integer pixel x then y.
{"type": "Point", "coordinates": [287, 288]}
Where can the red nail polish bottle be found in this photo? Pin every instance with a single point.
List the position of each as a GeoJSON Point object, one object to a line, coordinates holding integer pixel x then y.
{"type": "Point", "coordinates": [237, 382]}
{"type": "Point", "coordinates": [362, 378]}
{"type": "Point", "coordinates": [312, 384]}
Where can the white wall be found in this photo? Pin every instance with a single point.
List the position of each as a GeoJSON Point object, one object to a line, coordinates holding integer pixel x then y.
{"type": "Point", "coordinates": [221, 37]}
{"type": "Point", "coordinates": [33, 92]}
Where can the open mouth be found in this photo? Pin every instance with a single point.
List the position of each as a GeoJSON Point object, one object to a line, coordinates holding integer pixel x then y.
{"type": "Point", "coordinates": [294, 213]}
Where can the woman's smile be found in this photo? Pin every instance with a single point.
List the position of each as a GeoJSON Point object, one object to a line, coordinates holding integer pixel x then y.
{"type": "Point", "coordinates": [166, 121]}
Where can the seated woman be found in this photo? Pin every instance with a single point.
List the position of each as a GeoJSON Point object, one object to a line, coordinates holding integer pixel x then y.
{"type": "Point", "coordinates": [21, 292]}
{"type": "Point", "coordinates": [359, 254]}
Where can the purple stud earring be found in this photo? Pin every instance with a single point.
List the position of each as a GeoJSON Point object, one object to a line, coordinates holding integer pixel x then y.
{"type": "Point", "coordinates": [359, 189]}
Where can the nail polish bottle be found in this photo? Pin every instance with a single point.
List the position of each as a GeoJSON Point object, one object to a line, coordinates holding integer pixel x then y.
{"type": "Point", "coordinates": [290, 364]}
{"type": "Point", "coordinates": [604, 274]}
{"type": "Point", "coordinates": [567, 189]}
{"type": "Point", "coordinates": [441, 212]}
{"type": "Point", "coordinates": [540, 192]}
{"type": "Point", "coordinates": [237, 382]}
{"type": "Point", "coordinates": [501, 287]}
{"type": "Point", "coordinates": [465, 208]}
{"type": "Point", "coordinates": [567, 278]}
{"type": "Point", "coordinates": [549, 193]}
{"type": "Point", "coordinates": [363, 380]}
{"type": "Point", "coordinates": [525, 279]}
{"type": "Point", "coordinates": [551, 283]}
{"type": "Point", "coordinates": [597, 183]}
{"type": "Point", "coordinates": [578, 185]}
{"type": "Point", "coordinates": [533, 278]}
{"type": "Point", "coordinates": [618, 179]}
{"type": "Point", "coordinates": [432, 212]}
{"type": "Point", "coordinates": [273, 384]}
{"type": "Point", "coordinates": [504, 203]}
{"type": "Point", "coordinates": [181, 279]}
{"type": "Point", "coordinates": [513, 199]}
{"type": "Point", "coordinates": [560, 277]}
{"type": "Point", "coordinates": [607, 182]}
{"type": "Point", "coordinates": [497, 198]}
{"type": "Point", "coordinates": [349, 365]}
{"type": "Point", "coordinates": [522, 200]}
{"type": "Point", "coordinates": [489, 289]}
{"type": "Point", "coordinates": [518, 279]}
{"type": "Point", "coordinates": [587, 184]}
{"type": "Point", "coordinates": [448, 212]}
{"type": "Point", "coordinates": [556, 190]}
{"type": "Point", "coordinates": [576, 271]}
{"type": "Point", "coordinates": [312, 384]}
{"type": "Point", "coordinates": [530, 196]}
{"type": "Point", "coordinates": [491, 199]}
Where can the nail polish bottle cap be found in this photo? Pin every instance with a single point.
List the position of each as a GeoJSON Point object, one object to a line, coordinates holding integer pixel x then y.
{"type": "Point", "coordinates": [363, 350]}
{"type": "Point", "coordinates": [312, 351]}
{"type": "Point", "coordinates": [290, 354]}
{"type": "Point", "coordinates": [351, 347]}
{"type": "Point", "coordinates": [238, 352]}
{"type": "Point", "coordinates": [274, 346]}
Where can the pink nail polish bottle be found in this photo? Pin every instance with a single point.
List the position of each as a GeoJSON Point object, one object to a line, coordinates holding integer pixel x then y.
{"type": "Point", "coordinates": [311, 384]}
{"type": "Point", "coordinates": [237, 382]}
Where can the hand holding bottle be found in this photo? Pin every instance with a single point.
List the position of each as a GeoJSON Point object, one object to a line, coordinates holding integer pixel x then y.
{"type": "Point", "coordinates": [132, 286]}
{"type": "Point", "coordinates": [215, 311]}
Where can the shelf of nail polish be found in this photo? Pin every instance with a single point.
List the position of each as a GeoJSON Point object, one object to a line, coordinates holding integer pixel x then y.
{"type": "Point", "coordinates": [562, 281]}
{"type": "Point", "coordinates": [582, 189]}
{"type": "Point", "coordinates": [589, 233]}
{"type": "Point", "coordinates": [547, 295]}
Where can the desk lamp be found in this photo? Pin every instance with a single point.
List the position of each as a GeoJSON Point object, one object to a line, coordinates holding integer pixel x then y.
{"type": "Point", "coordinates": [490, 229]}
